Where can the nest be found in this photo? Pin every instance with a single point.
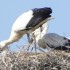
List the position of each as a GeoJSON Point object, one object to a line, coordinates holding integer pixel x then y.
{"type": "Point", "coordinates": [54, 60]}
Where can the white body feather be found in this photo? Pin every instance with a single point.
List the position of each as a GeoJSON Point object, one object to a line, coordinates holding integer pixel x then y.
{"type": "Point", "coordinates": [22, 21]}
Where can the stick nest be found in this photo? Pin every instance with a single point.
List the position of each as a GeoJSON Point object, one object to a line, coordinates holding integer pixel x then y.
{"type": "Point", "coordinates": [54, 60]}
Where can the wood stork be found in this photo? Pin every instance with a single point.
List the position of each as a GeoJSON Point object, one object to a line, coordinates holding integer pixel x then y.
{"type": "Point", "coordinates": [53, 40]}
{"type": "Point", "coordinates": [26, 23]}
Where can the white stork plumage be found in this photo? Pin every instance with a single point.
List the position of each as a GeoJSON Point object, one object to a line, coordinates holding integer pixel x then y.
{"type": "Point", "coordinates": [26, 24]}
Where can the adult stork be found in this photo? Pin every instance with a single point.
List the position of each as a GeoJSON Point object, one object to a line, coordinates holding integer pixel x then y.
{"type": "Point", "coordinates": [52, 41]}
{"type": "Point", "coordinates": [26, 24]}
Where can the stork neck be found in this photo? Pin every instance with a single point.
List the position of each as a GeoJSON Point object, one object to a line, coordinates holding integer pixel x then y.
{"type": "Point", "coordinates": [7, 42]}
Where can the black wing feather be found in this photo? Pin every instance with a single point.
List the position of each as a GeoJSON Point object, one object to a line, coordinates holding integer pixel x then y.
{"type": "Point", "coordinates": [36, 20]}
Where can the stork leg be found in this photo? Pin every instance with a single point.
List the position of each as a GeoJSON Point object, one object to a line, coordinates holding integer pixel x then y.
{"type": "Point", "coordinates": [35, 46]}
{"type": "Point", "coordinates": [34, 38]}
{"type": "Point", "coordinates": [29, 41]}
{"type": "Point", "coordinates": [34, 41]}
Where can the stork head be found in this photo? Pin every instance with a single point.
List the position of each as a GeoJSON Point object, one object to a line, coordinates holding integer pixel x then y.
{"type": "Point", "coordinates": [3, 44]}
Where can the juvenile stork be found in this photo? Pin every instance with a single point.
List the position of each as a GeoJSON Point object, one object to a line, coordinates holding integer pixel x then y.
{"type": "Point", "coordinates": [52, 41]}
{"type": "Point", "coordinates": [26, 24]}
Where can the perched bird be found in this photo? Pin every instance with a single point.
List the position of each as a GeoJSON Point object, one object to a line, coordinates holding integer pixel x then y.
{"type": "Point", "coordinates": [53, 40]}
{"type": "Point", "coordinates": [26, 24]}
